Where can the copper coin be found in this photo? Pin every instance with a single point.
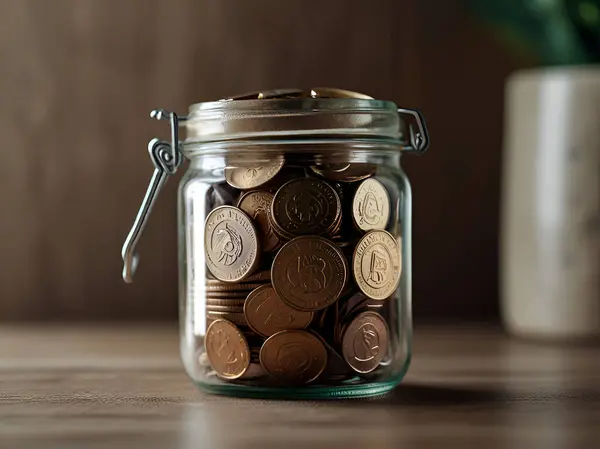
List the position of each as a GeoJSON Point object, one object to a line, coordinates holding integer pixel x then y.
{"type": "Point", "coordinates": [306, 206]}
{"type": "Point", "coordinates": [365, 342]}
{"type": "Point", "coordinates": [236, 318]}
{"type": "Point", "coordinates": [267, 94]}
{"type": "Point", "coordinates": [294, 356]}
{"type": "Point", "coordinates": [344, 172]}
{"type": "Point", "coordinates": [309, 273]}
{"type": "Point", "coordinates": [267, 314]}
{"type": "Point", "coordinates": [377, 264]}
{"type": "Point", "coordinates": [371, 205]}
{"type": "Point", "coordinates": [332, 92]}
{"type": "Point", "coordinates": [224, 308]}
{"type": "Point", "coordinates": [231, 244]}
{"type": "Point", "coordinates": [227, 349]}
{"type": "Point", "coordinates": [249, 177]}
{"type": "Point", "coordinates": [226, 295]}
{"type": "Point", "coordinates": [261, 276]}
{"type": "Point", "coordinates": [257, 205]}
{"type": "Point", "coordinates": [229, 287]}
{"type": "Point", "coordinates": [225, 302]}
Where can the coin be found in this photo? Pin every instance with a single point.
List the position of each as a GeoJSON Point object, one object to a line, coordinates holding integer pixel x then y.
{"type": "Point", "coordinates": [267, 94]}
{"type": "Point", "coordinates": [293, 356]}
{"type": "Point", "coordinates": [371, 205]}
{"type": "Point", "coordinates": [250, 177]}
{"type": "Point", "coordinates": [344, 172]}
{"type": "Point", "coordinates": [332, 92]}
{"type": "Point", "coordinates": [365, 342]}
{"type": "Point", "coordinates": [231, 244]}
{"type": "Point", "coordinates": [257, 205]}
{"type": "Point", "coordinates": [227, 349]}
{"type": "Point", "coordinates": [228, 287]}
{"type": "Point", "coordinates": [377, 264]}
{"type": "Point", "coordinates": [309, 273]}
{"type": "Point", "coordinates": [306, 206]}
{"type": "Point", "coordinates": [225, 295]}
{"type": "Point", "coordinates": [225, 302]}
{"type": "Point", "coordinates": [259, 277]}
{"type": "Point", "coordinates": [236, 318]}
{"type": "Point", "coordinates": [280, 93]}
{"type": "Point", "coordinates": [267, 314]}
{"type": "Point", "coordinates": [224, 308]}
{"type": "Point", "coordinates": [336, 365]}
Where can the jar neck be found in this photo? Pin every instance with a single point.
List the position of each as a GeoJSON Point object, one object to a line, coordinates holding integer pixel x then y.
{"type": "Point", "coordinates": [298, 152]}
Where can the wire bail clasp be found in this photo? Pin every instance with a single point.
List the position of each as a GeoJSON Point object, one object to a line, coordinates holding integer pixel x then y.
{"type": "Point", "coordinates": [419, 139]}
{"type": "Point", "coordinates": [166, 157]}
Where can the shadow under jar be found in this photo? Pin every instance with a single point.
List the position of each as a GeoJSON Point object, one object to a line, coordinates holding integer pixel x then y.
{"type": "Point", "coordinates": [294, 242]}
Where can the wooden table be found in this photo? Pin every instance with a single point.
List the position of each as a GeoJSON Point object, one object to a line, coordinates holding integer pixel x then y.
{"type": "Point", "coordinates": [124, 387]}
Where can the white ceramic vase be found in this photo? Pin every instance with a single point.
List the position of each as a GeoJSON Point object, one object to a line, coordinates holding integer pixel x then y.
{"type": "Point", "coordinates": [550, 230]}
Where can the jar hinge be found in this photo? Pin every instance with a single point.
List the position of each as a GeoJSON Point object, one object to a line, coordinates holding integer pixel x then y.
{"type": "Point", "coordinates": [419, 140]}
{"type": "Point", "coordinates": [166, 157]}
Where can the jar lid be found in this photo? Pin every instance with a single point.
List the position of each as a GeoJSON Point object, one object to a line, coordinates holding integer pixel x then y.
{"type": "Point", "coordinates": [290, 113]}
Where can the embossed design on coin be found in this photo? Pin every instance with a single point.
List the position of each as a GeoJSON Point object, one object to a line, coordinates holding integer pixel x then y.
{"type": "Point", "coordinates": [249, 177]}
{"type": "Point", "coordinates": [371, 205]}
{"type": "Point", "coordinates": [309, 273]}
{"type": "Point", "coordinates": [267, 314]}
{"type": "Point", "coordinates": [365, 342]}
{"type": "Point", "coordinates": [231, 244]}
{"type": "Point", "coordinates": [227, 349]}
{"type": "Point", "coordinates": [294, 356]}
{"type": "Point", "coordinates": [377, 264]}
{"type": "Point", "coordinates": [306, 206]}
{"type": "Point", "coordinates": [257, 205]}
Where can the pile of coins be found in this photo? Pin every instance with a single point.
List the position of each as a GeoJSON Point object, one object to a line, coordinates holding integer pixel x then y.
{"type": "Point", "coordinates": [302, 270]}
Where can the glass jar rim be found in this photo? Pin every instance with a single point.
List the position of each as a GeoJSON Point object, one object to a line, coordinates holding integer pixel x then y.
{"type": "Point", "coordinates": [293, 118]}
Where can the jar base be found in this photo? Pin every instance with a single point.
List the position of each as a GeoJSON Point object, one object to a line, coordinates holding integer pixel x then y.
{"type": "Point", "coordinates": [321, 392]}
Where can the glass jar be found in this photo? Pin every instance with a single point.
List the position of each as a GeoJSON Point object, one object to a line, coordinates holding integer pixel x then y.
{"type": "Point", "coordinates": [294, 242]}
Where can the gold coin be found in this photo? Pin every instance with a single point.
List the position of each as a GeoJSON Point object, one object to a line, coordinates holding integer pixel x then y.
{"type": "Point", "coordinates": [250, 177]}
{"type": "Point", "coordinates": [231, 244]}
{"type": "Point", "coordinates": [371, 205]}
{"type": "Point", "coordinates": [267, 314]}
{"type": "Point", "coordinates": [377, 264]}
{"type": "Point", "coordinates": [257, 205]}
{"type": "Point", "coordinates": [332, 92]}
{"type": "Point", "coordinates": [227, 349]}
{"type": "Point", "coordinates": [293, 356]}
{"type": "Point", "coordinates": [309, 273]}
{"type": "Point", "coordinates": [344, 172]}
{"type": "Point", "coordinates": [306, 206]}
{"type": "Point", "coordinates": [365, 342]}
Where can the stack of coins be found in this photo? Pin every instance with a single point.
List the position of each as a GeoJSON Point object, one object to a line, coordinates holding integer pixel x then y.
{"type": "Point", "coordinates": [302, 273]}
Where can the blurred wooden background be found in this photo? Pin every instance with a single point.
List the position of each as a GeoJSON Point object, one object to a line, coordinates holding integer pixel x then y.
{"type": "Point", "coordinates": [79, 78]}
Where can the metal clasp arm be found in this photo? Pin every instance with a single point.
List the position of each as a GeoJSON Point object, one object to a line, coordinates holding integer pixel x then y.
{"type": "Point", "coordinates": [166, 159]}
{"type": "Point", "coordinates": [418, 140]}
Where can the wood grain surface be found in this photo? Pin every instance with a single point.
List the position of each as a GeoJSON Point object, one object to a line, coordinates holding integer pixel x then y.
{"type": "Point", "coordinates": [79, 78]}
{"type": "Point", "coordinates": [124, 387]}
